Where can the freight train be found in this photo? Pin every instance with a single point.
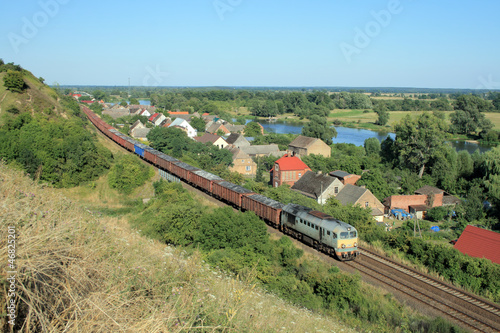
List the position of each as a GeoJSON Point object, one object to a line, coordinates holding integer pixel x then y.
{"type": "Point", "coordinates": [319, 230]}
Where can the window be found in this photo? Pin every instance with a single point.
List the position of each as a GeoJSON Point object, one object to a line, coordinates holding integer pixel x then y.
{"type": "Point", "coordinates": [353, 234]}
{"type": "Point", "coordinates": [334, 235]}
{"type": "Point", "coordinates": [336, 190]}
{"type": "Point", "coordinates": [300, 174]}
{"type": "Point", "coordinates": [366, 204]}
{"type": "Point", "coordinates": [308, 224]}
{"type": "Point", "coordinates": [344, 235]}
{"type": "Point", "coordinates": [277, 167]}
{"type": "Point", "coordinates": [328, 232]}
{"type": "Point", "coordinates": [248, 168]}
{"type": "Point", "coordinates": [316, 227]}
{"type": "Point", "coordinates": [242, 161]}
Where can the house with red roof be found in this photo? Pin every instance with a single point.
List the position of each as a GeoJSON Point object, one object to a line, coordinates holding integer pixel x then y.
{"type": "Point", "coordinates": [479, 243]}
{"type": "Point", "coordinates": [287, 170]}
{"type": "Point", "coordinates": [157, 119]}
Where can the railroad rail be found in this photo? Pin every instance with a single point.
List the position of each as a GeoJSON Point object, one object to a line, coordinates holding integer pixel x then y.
{"type": "Point", "coordinates": [466, 309]}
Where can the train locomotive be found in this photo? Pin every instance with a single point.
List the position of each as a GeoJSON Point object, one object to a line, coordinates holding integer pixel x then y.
{"type": "Point", "coordinates": [317, 229]}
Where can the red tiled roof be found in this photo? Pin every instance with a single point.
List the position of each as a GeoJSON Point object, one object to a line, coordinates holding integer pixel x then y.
{"type": "Point", "coordinates": [287, 163]}
{"type": "Point", "coordinates": [480, 243]}
{"type": "Point", "coordinates": [153, 117]}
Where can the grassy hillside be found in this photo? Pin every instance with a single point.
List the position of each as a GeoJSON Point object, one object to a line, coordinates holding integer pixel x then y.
{"type": "Point", "coordinates": [82, 272]}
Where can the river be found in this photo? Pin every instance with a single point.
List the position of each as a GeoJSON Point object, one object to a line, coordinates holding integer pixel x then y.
{"type": "Point", "coordinates": [358, 136]}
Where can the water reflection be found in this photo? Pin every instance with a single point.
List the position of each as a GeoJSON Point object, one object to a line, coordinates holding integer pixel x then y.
{"type": "Point", "coordinates": [358, 136]}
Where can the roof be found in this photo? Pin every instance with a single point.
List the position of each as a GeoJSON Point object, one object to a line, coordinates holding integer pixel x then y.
{"type": "Point", "coordinates": [479, 243]}
{"type": "Point", "coordinates": [141, 132]}
{"type": "Point", "coordinates": [208, 137]}
{"type": "Point", "coordinates": [177, 113]}
{"type": "Point", "coordinates": [152, 118]}
{"type": "Point", "coordinates": [428, 190]}
{"type": "Point", "coordinates": [339, 174]}
{"type": "Point", "coordinates": [312, 183]}
{"type": "Point", "coordinates": [288, 163]}
{"type": "Point", "coordinates": [235, 128]}
{"type": "Point", "coordinates": [179, 122]}
{"type": "Point", "coordinates": [420, 208]}
{"type": "Point", "coordinates": [350, 194]}
{"type": "Point", "coordinates": [237, 140]}
{"type": "Point", "coordinates": [261, 149]}
{"type": "Point", "coordinates": [303, 141]}
{"type": "Point", "coordinates": [237, 153]}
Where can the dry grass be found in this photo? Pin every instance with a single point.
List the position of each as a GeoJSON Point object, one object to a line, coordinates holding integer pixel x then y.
{"type": "Point", "coordinates": [78, 272]}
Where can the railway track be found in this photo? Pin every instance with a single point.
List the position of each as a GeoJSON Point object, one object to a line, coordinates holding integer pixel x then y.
{"type": "Point", "coordinates": [467, 310]}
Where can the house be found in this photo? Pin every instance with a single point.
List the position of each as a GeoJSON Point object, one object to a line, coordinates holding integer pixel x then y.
{"type": "Point", "coordinates": [215, 140]}
{"type": "Point", "coordinates": [287, 170]}
{"type": "Point", "coordinates": [235, 128]}
{"type": "Point", "coordinates": [157, 118]}
{"type": "Point", "coordinates": [425, 198]}
{"type": "Point", "coordinates": [345, 177]}
{"type": "Point", "coordinates": [356, 195]}
{"type": "Point", "coordinates": [237, 140]}
{"type": "Point", "coordinates": [242, 162]}
{"type": "Point", "coordinates": [137, 124]}
{"type": "Point", "coordinates": [141, 133]}
{"type": "Point", "coordinates": [215, 127]}
{"type": "Point", "coordinates": [479, 243]}
{"type": "Point", "coordinates": [182, 123]}
{"type": "Point", "coordinates": [318, 186]}
{"type": "Point", "coordinates": [144, 113]}
{"type": "Point", "coordinates": [303, 146]}
{"type": "Point", "coordinates": [117, 113]}
{"type": "Point", "coordinates": [262, 150]}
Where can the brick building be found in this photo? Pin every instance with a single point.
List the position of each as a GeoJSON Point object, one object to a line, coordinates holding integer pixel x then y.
{"type": "Point", "coordinates": [287, 170]}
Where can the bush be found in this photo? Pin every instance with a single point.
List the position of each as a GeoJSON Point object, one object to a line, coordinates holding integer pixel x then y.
{"type": "Point", "coordinates": [128, 173]}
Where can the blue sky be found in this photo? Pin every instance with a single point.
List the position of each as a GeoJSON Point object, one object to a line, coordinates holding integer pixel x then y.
{"type": "Point", "coordinates": [389, 43]}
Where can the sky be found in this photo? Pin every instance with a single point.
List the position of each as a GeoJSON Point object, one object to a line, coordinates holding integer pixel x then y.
{"type": "Point", "coordinates": [317, 43]}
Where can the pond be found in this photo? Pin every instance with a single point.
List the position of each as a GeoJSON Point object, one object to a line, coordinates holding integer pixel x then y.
{"type": "Point", "coordinates": [358, 136]}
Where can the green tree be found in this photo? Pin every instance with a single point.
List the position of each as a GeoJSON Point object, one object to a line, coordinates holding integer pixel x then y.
{"type": "Point", "coordinates": [319, 128]}
{"type": "Point", "coordinates": [372, 146]}
{"type": "Point", "coordinates": [377, 184]}
{"type": "Point", "coordinates": [134, 101]}
{"type": "Point", "coordinates": [468, 116]}
{"type": "Point", "coordinates": [198, 123]}
{"type": "Point", "coordinates": [383, 117]}
{"type": "Point", "coordinates": [13, 81]}
{"type": "Point", "coordinates": [253, 129]}
{"type": "Point", "coordinates": [418, 140]}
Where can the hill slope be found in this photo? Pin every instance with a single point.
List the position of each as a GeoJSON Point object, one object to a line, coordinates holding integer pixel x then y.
{"type": "Point", "coordinates": [45, 135]}
{"type": "Point", "coordinates": [79, 272]}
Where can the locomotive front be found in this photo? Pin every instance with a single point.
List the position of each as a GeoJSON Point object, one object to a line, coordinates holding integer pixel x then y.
{"type": "Point", "coordinates": [345, 241]}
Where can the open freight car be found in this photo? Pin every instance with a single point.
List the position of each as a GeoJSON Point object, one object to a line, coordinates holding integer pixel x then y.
{"type": "Point", "coordinates": [183, 171]}
{"type": "Point", "coordinates": [230, 192]}
{"type": "Point", "coordinates": [267, 209]}
{"type": "Point", "coordinates": [204, 179]}
{"type": "Point", "coordinates": [165, 161]}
